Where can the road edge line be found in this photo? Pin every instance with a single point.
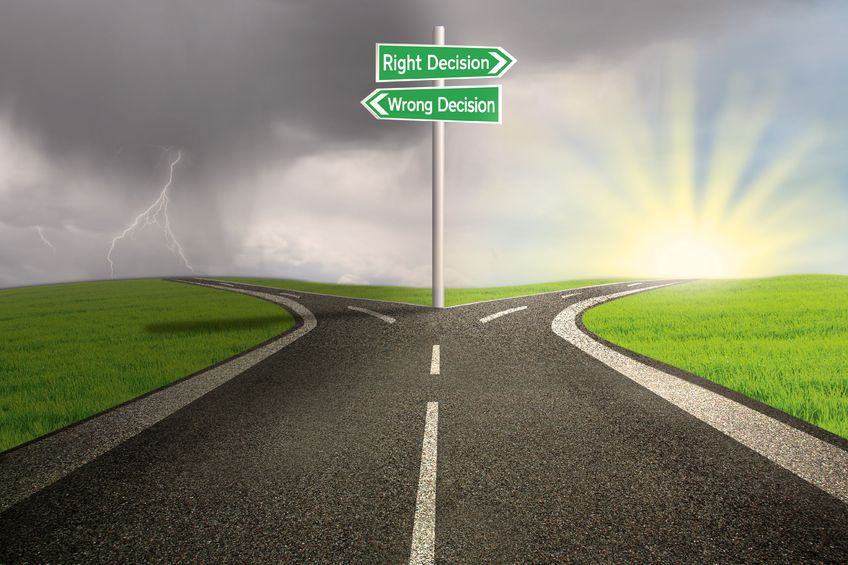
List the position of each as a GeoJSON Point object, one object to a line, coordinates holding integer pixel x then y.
{"type": "Point", "coordinates": [42, 462]}
{"type": "Point", "coordinates": [817, 462]}
{"type": "Point", "coordinates": [309, 292]}
{"type": "Point", "coordinates": [545, 293]}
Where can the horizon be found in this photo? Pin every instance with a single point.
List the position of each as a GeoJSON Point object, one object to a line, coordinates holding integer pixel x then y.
{"type": "Point", "coordinates": [531, 283]}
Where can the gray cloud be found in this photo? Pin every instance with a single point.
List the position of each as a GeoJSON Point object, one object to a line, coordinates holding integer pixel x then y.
{"type": "Point", "coordinates": [207, 76]}
{"type": "Point", "coordinates": [211, 75]}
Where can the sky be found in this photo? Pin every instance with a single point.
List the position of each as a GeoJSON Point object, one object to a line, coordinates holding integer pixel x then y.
{"type": "Point", "coordinates": [646, 138]}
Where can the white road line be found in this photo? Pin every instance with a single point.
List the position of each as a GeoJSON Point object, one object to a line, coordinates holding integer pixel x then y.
{"type": "Point", "coordinates": [815, 461]}
{"type": "Point", "coordinates": [434, 362]}
{"type": "Point", "coordinates": [530, 295]}
{"type": "Point", "coordinates": [387, 319]}
{"type": "Point", "coordinates": [290, 295]}
{"type": "Point", "coordinates": [424, 526]}
{"type": "Point", "coordinates": [30, 468]}
{"type": "Point", "coordinates": [496, 315]}
{"type": "Point", "coordinates": [267, 288]}
{"type": "Point", "coordinates": [572, 294]}
{"type": "Point", "coordinates": [635, 284]}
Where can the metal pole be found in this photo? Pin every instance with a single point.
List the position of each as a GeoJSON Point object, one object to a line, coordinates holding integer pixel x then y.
{"type": "Point", "coordinates": [438, 195]}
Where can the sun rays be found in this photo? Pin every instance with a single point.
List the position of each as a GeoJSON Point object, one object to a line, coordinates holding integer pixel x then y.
{"type": "Point", "coordinates": [685, 194]}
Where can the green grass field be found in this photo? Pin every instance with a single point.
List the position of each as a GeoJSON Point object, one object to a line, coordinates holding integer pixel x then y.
{"type": "Point", "coordinates": [783, 340]}
{"type": "Point", "coordinates": [422, 296]}
{"type": "Point", "coordinates": [72, 350]}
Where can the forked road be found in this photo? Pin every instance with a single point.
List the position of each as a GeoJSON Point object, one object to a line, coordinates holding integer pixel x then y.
{"type": "Point", "coordinates": [539, 453]}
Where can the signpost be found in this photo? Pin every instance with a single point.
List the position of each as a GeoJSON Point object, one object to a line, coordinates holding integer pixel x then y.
{"type": "Point", "coordinates": [481, 104]}
{"type": "Point", "coordinates": [438, 286]}
{"type": "Point", "coordinates": [438, 104]}
{"type": "Point", "coordinates": [401, 61]}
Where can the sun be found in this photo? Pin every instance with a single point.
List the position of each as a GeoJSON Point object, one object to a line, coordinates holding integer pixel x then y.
{"type": "Point", "coordinates": [685, 251]}
{"type": "Point", "coordinates": [676, 194]}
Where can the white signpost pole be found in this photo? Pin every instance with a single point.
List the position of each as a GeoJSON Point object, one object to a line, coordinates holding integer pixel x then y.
{"type": "Point", "coordinates": [438, 195]}
{"type": "Point", "coordinates": [438, 104]}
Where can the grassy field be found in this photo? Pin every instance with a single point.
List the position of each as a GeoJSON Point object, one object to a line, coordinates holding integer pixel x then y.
{"type": "Point", "coordinates": [783, 340]}
{"type": "Point", "coordinates": [422, 296]}
{"type": "Point", "coordinates": [69, 351]}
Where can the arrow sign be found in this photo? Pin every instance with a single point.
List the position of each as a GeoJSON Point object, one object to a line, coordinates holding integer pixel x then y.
{"type": "Point", "coordinates": [402, 61]}
{"type": "Point", "coordinates": [479, 104]}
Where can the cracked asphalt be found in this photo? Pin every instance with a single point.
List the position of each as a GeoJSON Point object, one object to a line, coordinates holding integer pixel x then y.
{"type": "Point", "coordinates": [544, 455]}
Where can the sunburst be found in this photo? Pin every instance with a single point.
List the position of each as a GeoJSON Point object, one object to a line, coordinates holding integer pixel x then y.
{"type": "Point", "coordinates": [673, 190]}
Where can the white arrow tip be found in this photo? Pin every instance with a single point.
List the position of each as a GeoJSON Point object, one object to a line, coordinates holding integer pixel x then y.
{"type": "Point", "coordinates": [499, 65]}
{"type": "Point", "coordinates": [375, 103]}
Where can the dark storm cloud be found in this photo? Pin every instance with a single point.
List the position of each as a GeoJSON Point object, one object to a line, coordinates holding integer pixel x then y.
{"type": "Point", "coordinates": [210, 75]}
{"type": "Point", "coordinates": [96, 75]}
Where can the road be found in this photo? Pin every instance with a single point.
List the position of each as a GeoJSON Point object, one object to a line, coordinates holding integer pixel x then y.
{"type": "Point", "coordinates": [532, 451]}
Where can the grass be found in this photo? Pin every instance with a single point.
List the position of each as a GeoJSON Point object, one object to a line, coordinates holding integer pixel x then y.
{"type": "Point", "coordinates": [417, 295]}
{"type": "Point", "coordinates": [783, 340]}
{"type": "Point", "coordinates": [70, 351]}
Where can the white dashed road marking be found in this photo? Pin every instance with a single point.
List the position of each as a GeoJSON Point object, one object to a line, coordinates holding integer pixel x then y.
{"type": "Point", "coordinates": [387, 319]}
{"type": "Point", "coordinates": [424, 526]}
{"type": "Point", "coordinates": [434, 362]}
{"type": "Point", "coordinates": [815, 461]}
{"type": "Point", "coordinates": [572, 294]}
{"type": "Point", "coordinates": [634, 284]}
{"type": "Point", "coordinates": [289, 294]}
{"type": "Point", "coordinates": [496, 315]}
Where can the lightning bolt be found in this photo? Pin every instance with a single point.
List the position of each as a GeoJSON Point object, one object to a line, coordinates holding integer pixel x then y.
{"type": "Point", "coordinates": [44, 239]}
{"type": "Point", "coordinates": [156, 214]}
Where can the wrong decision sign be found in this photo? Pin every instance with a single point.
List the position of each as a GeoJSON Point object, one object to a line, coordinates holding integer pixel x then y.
{"type": "Point", "coordinates": [480, 104]}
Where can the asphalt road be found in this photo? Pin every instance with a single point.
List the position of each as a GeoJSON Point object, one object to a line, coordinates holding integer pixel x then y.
{"type": "Point", "coordinates": [544, 455]}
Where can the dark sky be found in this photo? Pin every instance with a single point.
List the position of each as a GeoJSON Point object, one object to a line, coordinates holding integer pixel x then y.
{"type": "Point", "coordinates": [210, 75]}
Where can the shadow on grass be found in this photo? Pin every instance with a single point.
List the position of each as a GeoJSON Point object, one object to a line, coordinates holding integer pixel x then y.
{"type": "Point", "coordinates": [220, 325]}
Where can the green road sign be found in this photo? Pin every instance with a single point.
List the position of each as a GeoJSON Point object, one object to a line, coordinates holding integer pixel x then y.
{"type": "Point", "coordinates": [480, 104]}
{"type": "Point", "coordinates": [397, 62]}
